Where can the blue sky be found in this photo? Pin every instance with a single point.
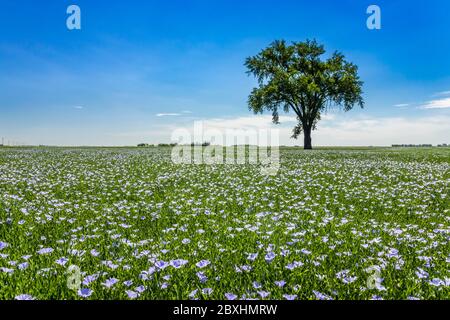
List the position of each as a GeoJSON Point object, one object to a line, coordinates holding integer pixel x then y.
{"type": "Point", "coordinates": [139, 69]}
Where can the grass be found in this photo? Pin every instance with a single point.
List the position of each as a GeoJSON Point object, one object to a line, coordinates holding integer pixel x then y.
{"type": "Point", "coordinates": [344, 223]}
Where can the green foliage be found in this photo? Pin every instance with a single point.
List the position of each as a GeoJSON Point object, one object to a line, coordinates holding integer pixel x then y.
{"type": "Point", "coordinates": [295, 78]}
{"type": "Point", "coordinates": [330, 210]}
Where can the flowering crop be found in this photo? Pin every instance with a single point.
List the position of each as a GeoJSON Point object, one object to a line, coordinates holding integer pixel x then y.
{"type": "Point", "coordinates": [331, 224]}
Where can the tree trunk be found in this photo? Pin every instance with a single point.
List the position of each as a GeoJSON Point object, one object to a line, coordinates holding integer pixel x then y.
{"type": "Point", "coordinates": [307, 135]}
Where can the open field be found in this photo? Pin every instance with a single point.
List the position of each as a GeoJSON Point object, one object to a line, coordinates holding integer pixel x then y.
{"type": "Point", "coordinates": [341, 223]}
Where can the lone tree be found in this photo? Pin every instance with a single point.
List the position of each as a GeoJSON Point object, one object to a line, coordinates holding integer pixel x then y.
{"type": "Point", "coordinates": [295, 77]}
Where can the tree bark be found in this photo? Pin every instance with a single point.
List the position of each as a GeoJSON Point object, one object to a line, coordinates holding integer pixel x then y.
{"type": "Point", "coordinates": [307, 136]}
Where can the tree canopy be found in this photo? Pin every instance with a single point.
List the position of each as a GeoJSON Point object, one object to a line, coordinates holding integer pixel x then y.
{"type": "Point", "coordinates": [295, 77]}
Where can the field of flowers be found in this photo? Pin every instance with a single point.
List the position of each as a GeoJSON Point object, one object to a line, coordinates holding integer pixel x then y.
{"type": "Point", "coordinates": [127, 223]}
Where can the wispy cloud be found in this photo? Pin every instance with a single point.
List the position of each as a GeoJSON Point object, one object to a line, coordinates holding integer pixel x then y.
{"type": "Point", "coordinates": [384, 131]}
{"type": "Point", "coordinates": [443, 103]}
{"type": "Point", "coordinates": [443, 93]}
{"type": "Point", "coordinates": [78, 107]}
{"type": "Point", "coordinates": [257, 121]}
{"type": "Point", "coordinates": [246, 122]}
{"type": "Point", "coordinates": [333, 130]}
{"type": "Point", "coordinates": [401, 105]}
{"type": "Point", "coordinates": [347, 130]}
{"type": "Point", "coordinates": [168, 114]}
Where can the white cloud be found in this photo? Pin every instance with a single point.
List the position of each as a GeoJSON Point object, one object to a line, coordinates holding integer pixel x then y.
{"type": "Point", "coordinates": [400, 105]}
{"type": "Point", "coordinates": [328, 117]}
{"type": "Point", "coordinates": [383, 131]}
{"type": "Point", "coordinates": [443, 93]}
{"type": "Point", "coordinates": [246, 122]}
{"type": "Point", "coordinates": [345, 130]}
{"type": "Point", "coordinates": [168, 114]}
{"type": "Point", "coordinates": [443, 103]}
{"type": "Point", "coordinates": [258, 122]}
{"type": "Point", "coordinates": [79, 107]}
{"type": "Point", "coordinates": [335, 129]}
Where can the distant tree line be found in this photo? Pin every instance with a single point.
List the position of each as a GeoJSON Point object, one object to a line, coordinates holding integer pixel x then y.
{"type": "Point", "coordinates": [203, 144]}
{"type": "Point", "coordinates": [412, 145]}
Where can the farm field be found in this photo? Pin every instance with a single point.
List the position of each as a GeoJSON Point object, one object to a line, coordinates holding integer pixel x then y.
{"type": "Point", "coordinates": [127, 223]}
